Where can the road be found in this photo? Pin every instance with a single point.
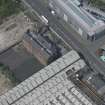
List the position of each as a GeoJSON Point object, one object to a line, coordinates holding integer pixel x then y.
{"type": "Point", "coordinates": [68, 35]}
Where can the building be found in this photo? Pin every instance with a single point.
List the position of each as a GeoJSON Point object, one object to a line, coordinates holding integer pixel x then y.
{"type": "Point", "coordinates": [35, 49]}
{"type": "Point", "coordinates": [83, 22]}
{"type": "Point", "coordinates": [50, 86]}
{"type": "Point", "coordinates": [12, 30]}
{"type": "Point", "coordinates": [42, 47]}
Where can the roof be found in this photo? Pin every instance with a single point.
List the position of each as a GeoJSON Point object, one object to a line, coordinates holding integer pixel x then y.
{"type": "Point", "coordinates": [87, 22]}
{"type": "Point", "coordinates": [49, 85]}
{"type": "Point", "coordinates": [76, 2]}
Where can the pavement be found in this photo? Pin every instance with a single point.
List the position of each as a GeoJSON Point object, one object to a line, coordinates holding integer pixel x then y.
{"type": "Point", "coordinates": [69, 35]}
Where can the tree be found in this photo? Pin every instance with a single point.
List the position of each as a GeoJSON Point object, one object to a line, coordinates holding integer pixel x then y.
{"type": "Point", "coordinates": [5, 70]}
{"type": "Point", "coordinates": [8, 7]}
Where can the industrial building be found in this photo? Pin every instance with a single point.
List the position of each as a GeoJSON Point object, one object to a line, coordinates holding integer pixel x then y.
{"type": "Point", "coordinates": [83, 22]}
{"type": "Point", "coordinates": [12, 31]}
{"type": "Point", "coordinates": [95, 83]}
{"type": "Point", "coordinates": [50, 86]}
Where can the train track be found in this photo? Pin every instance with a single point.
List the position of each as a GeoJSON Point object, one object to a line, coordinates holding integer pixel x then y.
{"type": "Point", "coordinates": [89, 91]}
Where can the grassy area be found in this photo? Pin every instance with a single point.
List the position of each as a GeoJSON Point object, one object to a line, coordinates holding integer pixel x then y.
{"type": "Point", "coordinates": [8, 7]}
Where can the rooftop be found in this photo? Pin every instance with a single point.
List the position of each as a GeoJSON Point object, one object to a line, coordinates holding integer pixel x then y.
{"type": "Point", "coordinates": [50, 86]}
{"type": "Point", "coordinates": [82, 17]}
{"type": "Point", "coordinates": [12, 30]}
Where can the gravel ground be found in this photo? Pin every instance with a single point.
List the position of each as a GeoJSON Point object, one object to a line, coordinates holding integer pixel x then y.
{"type": "Point", "coordinates": [12, 31]}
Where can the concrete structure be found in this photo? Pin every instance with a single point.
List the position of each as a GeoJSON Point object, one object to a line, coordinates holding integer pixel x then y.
{"type": "Point", "coordinates": [83, 22]}
{"type": "Point", "coordinates": [50, 86]}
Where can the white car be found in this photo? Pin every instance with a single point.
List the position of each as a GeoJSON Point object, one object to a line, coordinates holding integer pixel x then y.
{"type": "Point", "coordinates": [44, 20]}
{"type": "Point", "coordinates": [53, 12]}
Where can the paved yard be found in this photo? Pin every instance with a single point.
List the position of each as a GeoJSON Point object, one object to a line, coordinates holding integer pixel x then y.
{"type": "Point", "coordinates": [22, 63]}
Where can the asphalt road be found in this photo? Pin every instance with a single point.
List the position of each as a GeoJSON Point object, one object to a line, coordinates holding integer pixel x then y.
{"type": "Point", "coordinates": [68, 35]}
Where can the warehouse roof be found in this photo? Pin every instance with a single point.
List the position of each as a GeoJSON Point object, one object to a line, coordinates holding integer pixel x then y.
{"type": "Point", "coordinates": [76, 2]}
{"type": "Point", "coordinates": [90, 24]}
